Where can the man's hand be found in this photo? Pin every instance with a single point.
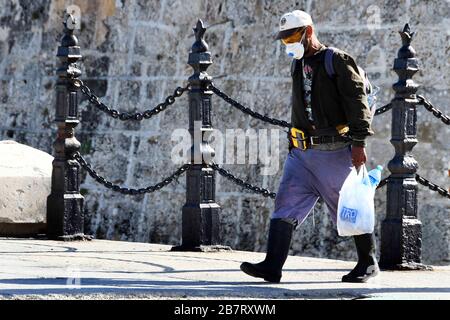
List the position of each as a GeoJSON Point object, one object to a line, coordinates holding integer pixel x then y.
{"type": "Point", "coordinates": [359, 156]}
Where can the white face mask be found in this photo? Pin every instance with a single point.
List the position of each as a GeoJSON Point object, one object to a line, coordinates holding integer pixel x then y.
{"type": "Point", "coordinates": [296, 50]}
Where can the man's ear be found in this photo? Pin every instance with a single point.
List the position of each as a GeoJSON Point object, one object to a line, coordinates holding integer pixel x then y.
{"type": "Point", "coordinates": [309, 32]}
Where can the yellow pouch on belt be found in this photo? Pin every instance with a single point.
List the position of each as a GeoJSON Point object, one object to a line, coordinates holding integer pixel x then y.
{"type": "Point", "coordinates": [342, 129]}
{"type": "Point", "coordinates": [298, 138]}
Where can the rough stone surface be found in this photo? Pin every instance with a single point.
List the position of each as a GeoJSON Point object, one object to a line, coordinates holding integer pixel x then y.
{"type": "Point", "coordinates": [25, 175]}
{"type": "Point", "coordinates": [135, 54]}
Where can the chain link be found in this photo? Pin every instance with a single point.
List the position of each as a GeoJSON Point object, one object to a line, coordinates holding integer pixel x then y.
{"type": "Point", "coordinates": [174, 176]}
{"type": "Point", "coordinates": [266, 193]}
{"type": "Point", "coordinates": [383, 183]}
{"type": "Point", "coordinates": [424, 182]}
{"type": "Point", "coordinates": [436, 112]}
{"type": "Point", "coordinates": [124, 116]}
{"type": "Point", "coordinates": [246, 110]}
{"type": "Point", "coordinates": [383, 109]}
{"type": "Point", "coordinates": [432, 186]}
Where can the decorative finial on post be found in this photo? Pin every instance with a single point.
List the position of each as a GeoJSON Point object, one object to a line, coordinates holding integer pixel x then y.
{"type": "Point", "coordinates": [69, 41]}
{"type": "Point", "coordinates": [199, 31]}
{"type": "Point", "coordinates": [406, 34]}
{"type": "Point", "coordinates": [406, 29]}
{"type": "Point", "coordinates": [406, 51]}
{"type": "Point", "coordinates": [199, 58]}
{"type": "Point", "coordinates": [69, 20]}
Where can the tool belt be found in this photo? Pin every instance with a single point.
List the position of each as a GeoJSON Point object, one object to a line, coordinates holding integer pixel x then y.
{"type": "Point", "coordinates": [299, 139]}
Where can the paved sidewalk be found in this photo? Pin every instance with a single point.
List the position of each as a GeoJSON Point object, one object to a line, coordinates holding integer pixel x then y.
{"type": "Point", "coordinates": [43, 269]}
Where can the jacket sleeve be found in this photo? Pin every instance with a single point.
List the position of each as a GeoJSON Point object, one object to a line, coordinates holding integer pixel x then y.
{"type": "Point", "coordinates": [354, 99]}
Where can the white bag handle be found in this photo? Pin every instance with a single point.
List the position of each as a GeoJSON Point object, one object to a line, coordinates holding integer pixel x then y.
{"type": "Point", "coordinates": [362, 172]}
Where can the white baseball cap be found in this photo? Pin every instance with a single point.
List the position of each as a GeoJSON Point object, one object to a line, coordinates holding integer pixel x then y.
{"type": "Point", "coordinates": [290, 22]}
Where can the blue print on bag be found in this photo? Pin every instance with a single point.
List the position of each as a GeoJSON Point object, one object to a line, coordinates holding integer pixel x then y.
{"type": "Point", "coordinates": [348, 214]}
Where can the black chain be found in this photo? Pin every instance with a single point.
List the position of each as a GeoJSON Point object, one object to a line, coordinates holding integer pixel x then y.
{"type": "Point", "coordinates": [424, 182]}
{"type": "Point", "coordinates": [265, 118]}
{"type": "Point", "coordinates": [383, 183]}
{"type": "Point", "coordinates": [266, 193]}
{"type": "Point", "coordinates": [383, 109]}
{"type": "Point", "coordinates": [436, 112]}
{"type": "Point", "coordinates": [246, 110]}
{"type": "Point", "coordinates": [432, 186]}
{"type": "Point", "coordinates": [124, 116]}
{"type": "Point", "coordinates": [77, 156]}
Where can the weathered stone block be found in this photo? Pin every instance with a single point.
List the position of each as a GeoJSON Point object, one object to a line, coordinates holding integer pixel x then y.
{"type": "Point", "coordinates": [25, 173]}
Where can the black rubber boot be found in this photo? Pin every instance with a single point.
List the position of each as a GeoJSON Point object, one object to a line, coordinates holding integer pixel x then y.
{"type": "Point", "coordinates": [367, 266]}
{"type": "Point", "coordinates": [280, 235]}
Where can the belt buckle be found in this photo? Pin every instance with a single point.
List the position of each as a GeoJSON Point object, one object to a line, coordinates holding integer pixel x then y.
{"type": "Point", "coordinates": [295, 140]}
{"type": "Point", "coordinates": [311, 141]}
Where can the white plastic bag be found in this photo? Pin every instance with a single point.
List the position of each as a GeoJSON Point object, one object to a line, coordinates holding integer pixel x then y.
{"type": "Point", "coordinates": [356, 211]}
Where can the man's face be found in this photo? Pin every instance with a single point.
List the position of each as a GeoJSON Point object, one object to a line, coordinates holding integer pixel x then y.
{"type": "Point", "coordinates": [295, 37]}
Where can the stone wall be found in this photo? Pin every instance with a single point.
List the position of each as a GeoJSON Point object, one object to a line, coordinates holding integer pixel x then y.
{"type": "Point", "coordinates": [135, 54]}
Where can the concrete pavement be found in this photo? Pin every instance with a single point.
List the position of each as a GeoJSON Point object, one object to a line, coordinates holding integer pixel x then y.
{"type": "Point", "coordinates": [100, 269]}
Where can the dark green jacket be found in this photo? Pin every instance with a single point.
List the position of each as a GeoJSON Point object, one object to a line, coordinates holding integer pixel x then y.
{"type": "Point", "coordinates": [335, 102]}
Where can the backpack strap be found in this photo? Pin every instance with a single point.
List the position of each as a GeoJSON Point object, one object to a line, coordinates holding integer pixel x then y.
{"type": "Point", "coordinates": [329, 67]}
{"type": "Point", "coordinates": [294, 67]}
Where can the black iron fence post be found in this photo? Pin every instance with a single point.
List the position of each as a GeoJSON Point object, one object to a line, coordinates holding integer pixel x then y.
{"type": "Point", "coordinates": [401, 233]}
{"type": "Point", "coordinates": [65, 203]}
{"type": "Point", "coordinates": [200, 214]}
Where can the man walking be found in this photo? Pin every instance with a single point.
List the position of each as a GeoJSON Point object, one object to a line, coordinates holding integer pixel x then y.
{"type": "Point", "coordinates": [331, 120]}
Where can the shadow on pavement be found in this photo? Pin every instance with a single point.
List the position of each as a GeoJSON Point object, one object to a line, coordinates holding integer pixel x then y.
{"type": "Point", "coordinates": [194, 288]}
